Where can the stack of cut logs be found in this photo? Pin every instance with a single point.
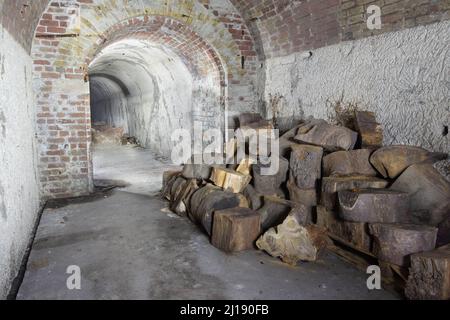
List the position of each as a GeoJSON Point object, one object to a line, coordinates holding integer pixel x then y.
{"type": "Point", "coordinates": [333, 183]}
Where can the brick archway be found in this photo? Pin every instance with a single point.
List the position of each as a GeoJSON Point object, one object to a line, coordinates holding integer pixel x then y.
{"type": "Point", "coordinates": [61, 56]}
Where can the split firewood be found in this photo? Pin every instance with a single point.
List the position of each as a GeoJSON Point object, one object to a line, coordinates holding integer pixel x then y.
{"type": "Point", "coordinates": [243, 201]}
{"type": "Point", "coordinates": [332, 185]}
{"type": "Point", "coordinates": [230, 180]}
{"type": "Point", "coordinates": [429, 275]}
{"type": "Point", "coordinates": [255, 199]}
{"type": "Point", "coordinates": [245, 166]}
{"type": "Point", "coordinates": [392, 161]}
{"type": "Point", "coordinates": [270, 184]}
{"type": "Point", "coordinates": [355, 233]}
{"type": "Point", "coordinates": [286, 141]}
{"type": "Point", "coordinates": [429, 192]}
{"type": "Point", "coordinates": [348, 163]}
{"type": "Point", "coordinates": [236, 229]}
{"type": "Point", "coordinates": [306, 166]}
{"type": "Point", "coordinates": [274, 211]}
{"type": "Point", "coordinates": [374, 205]}
{"type": "Point", "coordinates": [328, 136]}
{"type": "Point", "coordinates": [208, 199]}
{"type": "Point", "coordinates": [395, 243]}
{"type": "Point", "coordinates": [293, 242]}
{"type": "Point", "coordinates": [370, 131]}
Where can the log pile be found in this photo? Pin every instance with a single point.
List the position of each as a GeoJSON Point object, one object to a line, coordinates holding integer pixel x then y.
{"type": "Point", "coordinates": [387, 203]}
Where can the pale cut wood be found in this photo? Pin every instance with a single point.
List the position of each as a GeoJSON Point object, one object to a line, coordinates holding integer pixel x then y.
{"type": "Point", "coordinates": [230, 180]}
{"type": "Point", "coordinates": [245, 166]}
{"type": "Point", "coordinates": [370, 131]}
{"type": "Point", "coordinates": [236, 229]}
{"type": "Point", "coordinates": [292, 242]}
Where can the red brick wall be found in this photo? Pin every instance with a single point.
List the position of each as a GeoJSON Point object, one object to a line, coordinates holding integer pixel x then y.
{"type": "Point", "coordinates": [62, 53]}
{"type": "Point", "coordinates": [282, 27]}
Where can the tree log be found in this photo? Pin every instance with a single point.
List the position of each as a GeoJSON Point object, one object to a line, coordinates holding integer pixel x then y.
{"type": "Point", "coordinates": [255, 199]}
{"type": "Point", "coordinates": [374, 205]}
{"type": "Point", "coordinates": [180, 199]}
{"type": "Point", "coordinates": [328, 136]}
{"type": "Point", "coordinates": [332, 185]}
{"type": "Point", "coordinates": [392, 161]}
{"type": "Point", "coordinates": [306, 166]}
{"type": "Point", "coordinates": [293, 242]}
{"type": "Point", "coordinates": [429, 277]}
{"type": "Point", "coordinates": [169, 178]}
{"type": "Point", "coordinates": [348, 163]}
{"type": "Point", "coordinates": [394, 243]}
{"type": "Point", "coordinates": [208, 199]}
{"type": "Point", "coordinates": [236, 229]}
{"type": "Point", "coordinates": [429, 191]}
{"type": "Point", "coordinates": [270, 185]}
{"type": "Point", "coordinates": [355, 233]}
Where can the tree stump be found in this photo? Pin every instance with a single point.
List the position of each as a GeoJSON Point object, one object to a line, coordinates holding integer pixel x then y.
{"type": "Point", "coordinates": [236, 229]}
{"type": "Point", "coordinates": [332, 185]}
{"type": "Point", "coordinates": [293, 242]}
{"type": "Point", "coordinates": [392, 161]}
{"type": "Point", "coordinates": [429, 277]}
{"type": "Point", "coordinates": [394, 243]}
{"type": "Point", "coordinates": [328, 136]}
{"type": "Point", "coordinates": [348, 163]}
{"type": "Point", "coordinates": [374, 205]}
{"type": "Point", "coordinates": [306, 166]}
{"type": "Point", "coordinates": [429, 192]}
{"type": "Point", "coordinates": [355, 233]}
{"type": "Point", "coordinates": [370, 131]}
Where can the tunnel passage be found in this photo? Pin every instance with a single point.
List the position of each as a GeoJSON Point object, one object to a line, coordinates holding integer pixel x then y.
{"type": "Point", "coordinates": [144, 88]}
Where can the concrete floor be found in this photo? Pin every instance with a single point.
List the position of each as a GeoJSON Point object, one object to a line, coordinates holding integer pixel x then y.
{"type": "Point", "coordinates": [129, 246]}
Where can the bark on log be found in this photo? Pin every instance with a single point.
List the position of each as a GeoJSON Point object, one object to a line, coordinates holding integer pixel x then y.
{"type": "Point", "coordinates": [332, 185]}
{"type": "Point", "coordinates": [292, 242]}
{"type": "Point", "coordinates": [205, 201]}
{"type": "Point", "coordinates": [270, 185]}
{"type": "Point", "coordinates": [392, 161]}
{"type": "Point", "coordinates": [429, 277]}
{"type": "Point", "coordinates": [306, 166]}
{"type": "Point", "coordinates": [429, 191]}
{"type": "Point", "coordinates": [370, 131]}
{"type": "Point", "coordinates": [254, 198]}
{"type": "Point", "coordinates": [355, 233]}
{"type": "Point", "coordinates": [169, 178]}
{"type": "Point", "coordinates": [348, 163]}
{"type": "Point", "coordinates": [374, 205]}
{"type": "Point", "coordinates": [394, 243]}
{"type": "Point", "coordinates": [274, 211]}
{"type": "Point", "coordinates": [230, 180]}
{"type": "Point", "coordinates": [328, 136]}
{"type": "Point", "coordinates": [305, 197]}
{"type": "Point", "coordinates": [182, 196]}
{"type": "Point", "coordinates": [236, 229]}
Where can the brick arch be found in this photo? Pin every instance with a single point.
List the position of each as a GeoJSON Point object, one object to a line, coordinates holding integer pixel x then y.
{"type": "Point", "coordinates": [198, 55]}
{"type": "Point", "coordinates": [70, 33]}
